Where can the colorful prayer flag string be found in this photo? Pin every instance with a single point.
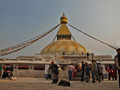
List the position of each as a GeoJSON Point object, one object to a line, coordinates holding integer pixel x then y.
{"type": "Point", "coordinates": [22, 45]}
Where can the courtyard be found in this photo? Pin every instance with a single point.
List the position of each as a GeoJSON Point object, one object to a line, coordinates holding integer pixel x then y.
{"type": "Point", "coordinates": [43, 84]}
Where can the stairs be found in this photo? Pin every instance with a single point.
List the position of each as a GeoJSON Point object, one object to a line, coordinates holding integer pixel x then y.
{"type": "Point", "coordinates": [78, 75]}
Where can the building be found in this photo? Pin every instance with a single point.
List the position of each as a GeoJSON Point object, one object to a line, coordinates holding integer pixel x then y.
{"type": "Point", "coordinates": [64, 51]}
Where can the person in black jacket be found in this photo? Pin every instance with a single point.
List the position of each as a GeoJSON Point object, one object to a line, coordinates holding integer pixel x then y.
{"type": "Point", "coordinates": [55, 72]}
{"type": "Point", "coordinates": [83, 67]}
{"type": "Point", "coordinates": [117, 63]}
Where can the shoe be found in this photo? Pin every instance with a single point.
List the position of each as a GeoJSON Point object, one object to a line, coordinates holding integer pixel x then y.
{"type": "Point", "coordinates": [99, 81]}
{"type": "Point", "coordinates": [93, 81]}
{"type": "Point", "coordinates": [53, 83]}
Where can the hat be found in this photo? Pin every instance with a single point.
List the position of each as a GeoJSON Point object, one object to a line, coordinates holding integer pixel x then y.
{"type": "Point", "coordinates": [117, 49]}
{"type": "Point", "coordinates": [93, 60]}
{"type": "Point", "coordinates": [82, 61]}
{"type": "Point", "coordinates": [52, 62]}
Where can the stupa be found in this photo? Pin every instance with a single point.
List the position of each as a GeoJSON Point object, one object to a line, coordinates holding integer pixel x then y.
{"type": "Point", "coordinates": [64, 43]}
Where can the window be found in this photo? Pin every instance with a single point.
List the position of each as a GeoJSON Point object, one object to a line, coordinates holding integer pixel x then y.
{"type": "Point", "coordinates": [23, 67]}
{"type": "Point", "coordinates": [39, 67]}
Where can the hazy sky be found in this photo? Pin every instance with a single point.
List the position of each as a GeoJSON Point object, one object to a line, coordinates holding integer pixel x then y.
{"type": "Point", "coordinates": [21, 20]}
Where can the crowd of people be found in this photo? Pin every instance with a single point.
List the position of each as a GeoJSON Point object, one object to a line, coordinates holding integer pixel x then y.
{"type": "Point", "coordinates": [112, 72]}
{"type": "Point", "coordinates": [95, 71]}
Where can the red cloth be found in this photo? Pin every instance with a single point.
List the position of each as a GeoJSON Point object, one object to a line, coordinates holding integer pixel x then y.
{"type": "Point", "coordinates": [74, 71]}
{"type": "Point", "coordinates": [111, 72]}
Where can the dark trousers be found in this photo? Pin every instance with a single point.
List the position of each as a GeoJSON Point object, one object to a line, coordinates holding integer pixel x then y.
{"type": "Point", "coordinates": [82, 76]}
{"type": "Point", "coordinates": [119, 77]}
{"type": "Point", "coordinates": [100, 76]}
{"type": "Point", "coordinates": [109, 76]}
{"type": "Point", "coordinates": [54, 78]}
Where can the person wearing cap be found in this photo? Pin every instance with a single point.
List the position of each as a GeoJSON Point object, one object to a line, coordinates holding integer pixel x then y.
{"type": "Point", "coordinates": [55, 72]}
{"type": "Point", "coordinates": [117, 63]}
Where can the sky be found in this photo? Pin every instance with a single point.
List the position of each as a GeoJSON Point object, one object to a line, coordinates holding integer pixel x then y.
{"type": "Point", "coordinates": [21, 20]}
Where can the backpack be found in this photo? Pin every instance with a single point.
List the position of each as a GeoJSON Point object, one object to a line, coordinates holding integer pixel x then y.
{"type": "Point", "coordinates": [64, 83]}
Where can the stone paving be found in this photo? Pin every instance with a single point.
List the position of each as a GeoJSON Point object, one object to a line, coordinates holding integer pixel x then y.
{"type": "Point", "coordinates": [43, 84]}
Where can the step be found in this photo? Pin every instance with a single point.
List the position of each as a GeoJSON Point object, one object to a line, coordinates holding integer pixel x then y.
{"type": "Point", "coordinates": [78, 75]}
{"type": "Point", "coordinates": [77, 79]}
{"type": "Point", "coordinates": [79, 70]}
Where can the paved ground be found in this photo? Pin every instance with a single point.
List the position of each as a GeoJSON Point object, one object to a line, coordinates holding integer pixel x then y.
{"type": "Point", "coordinates": [43, 84]}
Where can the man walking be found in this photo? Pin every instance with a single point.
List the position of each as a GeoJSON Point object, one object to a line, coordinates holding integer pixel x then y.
{"type": "Point", "coordinates": [94, 72]}
{"type": "Point", "coordinates": [117, 63]}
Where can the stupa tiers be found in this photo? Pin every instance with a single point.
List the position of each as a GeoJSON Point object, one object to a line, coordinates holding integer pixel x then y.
{"type": "Point", "coordinates": [64, 44]}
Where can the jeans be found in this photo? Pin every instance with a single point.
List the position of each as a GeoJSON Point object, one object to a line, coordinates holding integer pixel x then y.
{"type": "Point", "coordinates": [82, 76]}
{"type": "Point", "coordinates": [70, 75]}
{"type": "Point", "coordinates": [87, 78]}
{"type": "Point", "coordinates": [109, 76]}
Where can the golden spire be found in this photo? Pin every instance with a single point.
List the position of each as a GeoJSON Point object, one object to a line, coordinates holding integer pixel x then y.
{"type": "Point", "coordinates": [63, 32]}
{"type": "Point", "coordinates": [63, 19]}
